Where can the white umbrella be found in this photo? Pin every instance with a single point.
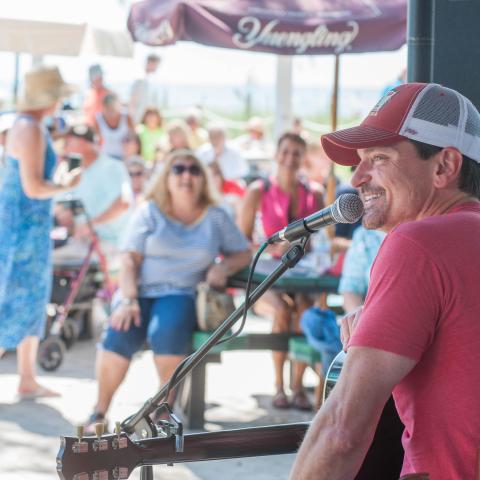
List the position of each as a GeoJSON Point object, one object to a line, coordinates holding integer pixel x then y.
{"type": "Point", "coordinates": [55, 38]}
{"type": "Point", "coordinates": [63, 27]}
{"type": "Point", "coordinates": [40, 38]}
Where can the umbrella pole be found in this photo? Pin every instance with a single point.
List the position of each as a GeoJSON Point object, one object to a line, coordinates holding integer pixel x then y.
{"type": "Point", "coordinates": [331, 182]}
{"type": "Point", "coordinates": [335, 93]}
{"type": "Point", "coordinates": [16, 78]}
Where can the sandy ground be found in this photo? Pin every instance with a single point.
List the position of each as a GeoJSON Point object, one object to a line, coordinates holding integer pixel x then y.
{"type": "Point", "coordinates": [239, 392]}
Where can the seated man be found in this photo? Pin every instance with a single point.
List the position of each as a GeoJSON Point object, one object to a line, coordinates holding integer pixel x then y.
{"type": "Point", "coordinates": [254, 144]}
{"type": "Point", "coordinates": [138, 177]}
{"type": "Point", "coordinates": [418, 174]}
{"type": "Point", "coordinates": [104, 190]}
{"type": "Point", "coordinates": [231, 163]}
{"type": "Point", "coordinates": [198, 135]}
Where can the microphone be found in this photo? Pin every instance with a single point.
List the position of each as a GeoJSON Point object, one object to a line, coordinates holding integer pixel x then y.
{"type": "Point", "coordinates": [348, 208]}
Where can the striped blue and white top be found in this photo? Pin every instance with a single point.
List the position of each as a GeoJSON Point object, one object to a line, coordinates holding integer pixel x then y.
{"type": "Point", "coordinates": [176, 257]}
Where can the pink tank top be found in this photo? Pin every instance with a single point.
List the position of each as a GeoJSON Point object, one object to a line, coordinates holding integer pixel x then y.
{"type": "Point", "coordinates": [274, 204]}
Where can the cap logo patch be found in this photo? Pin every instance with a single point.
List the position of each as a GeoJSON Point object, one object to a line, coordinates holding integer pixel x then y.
{"type": "Point", "coordinates": [382, 102]}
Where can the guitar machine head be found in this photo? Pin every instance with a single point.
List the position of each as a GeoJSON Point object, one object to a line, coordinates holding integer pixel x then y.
{"type": "Point", "coordinates": [104, 457]}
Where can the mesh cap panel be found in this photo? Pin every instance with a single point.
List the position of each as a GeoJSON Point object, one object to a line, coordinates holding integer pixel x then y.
{"type": "Point", "coordinates": [443, 117]}
{"type": "Point", "coordinates": [472, 127]}
{"type": "Point", "coordinates": [438, 106]}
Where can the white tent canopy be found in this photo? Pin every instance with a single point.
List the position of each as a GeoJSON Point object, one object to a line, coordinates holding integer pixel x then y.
{"type": "Point", "coordinates": [64, 27]}
{"type": "Point", "coordinates": [48, 38]}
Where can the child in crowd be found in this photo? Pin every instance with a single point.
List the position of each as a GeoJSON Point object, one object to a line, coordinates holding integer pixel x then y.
{"type": "Point", "coordinates": [150, 132]}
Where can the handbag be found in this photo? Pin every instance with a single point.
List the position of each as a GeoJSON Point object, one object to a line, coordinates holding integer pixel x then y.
{"type": "Point", "coordinates": [213, 306]}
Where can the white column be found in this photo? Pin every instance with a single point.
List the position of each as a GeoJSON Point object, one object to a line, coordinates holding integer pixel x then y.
{"type": "Point", "coordinates": [283, 95]}
{"type": "Point", "coordinates": [37, 60]}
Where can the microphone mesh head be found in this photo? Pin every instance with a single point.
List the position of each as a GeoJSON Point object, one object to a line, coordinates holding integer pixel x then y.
{"type": "Point", "coordinates": [348, 208]}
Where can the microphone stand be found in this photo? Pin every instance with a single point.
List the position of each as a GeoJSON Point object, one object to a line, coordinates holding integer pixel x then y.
{"type": "Point", "coordinates": [140, 423]}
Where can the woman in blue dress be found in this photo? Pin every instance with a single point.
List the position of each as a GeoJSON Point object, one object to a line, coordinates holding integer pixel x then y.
{"type": "Point", "coordinates": [26, 190]}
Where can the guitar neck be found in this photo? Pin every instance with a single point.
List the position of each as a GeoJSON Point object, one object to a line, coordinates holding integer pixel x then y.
{"type": "Point", "coordinates": [245, 442]}
{"type": "Point", "coordinates": [113, 457]}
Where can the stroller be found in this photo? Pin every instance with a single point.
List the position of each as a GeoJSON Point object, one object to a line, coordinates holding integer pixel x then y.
{"type": "Point", "coordinates": [77, 281]}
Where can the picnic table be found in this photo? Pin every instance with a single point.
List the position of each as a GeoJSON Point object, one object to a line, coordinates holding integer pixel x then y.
{"type": "Point", "coordinates": [302, 278]}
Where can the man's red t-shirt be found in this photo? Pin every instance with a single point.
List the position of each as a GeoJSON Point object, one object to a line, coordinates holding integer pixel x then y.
{"type": "Point", "coordinates": [424, 303]}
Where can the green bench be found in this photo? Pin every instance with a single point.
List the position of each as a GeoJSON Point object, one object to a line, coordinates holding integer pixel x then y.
{"type": "Point", "coordinates": [289, 282]}
{"type": "Point", "coordinates": [299, 350]}
{"type": "Point", "coordinates": [191, 398]}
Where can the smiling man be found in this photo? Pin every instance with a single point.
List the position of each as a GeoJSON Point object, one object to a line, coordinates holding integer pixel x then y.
{"type": "Point", "coordinates": [418, 335]}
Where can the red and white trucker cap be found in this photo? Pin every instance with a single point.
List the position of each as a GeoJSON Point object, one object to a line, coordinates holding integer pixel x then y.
{"type": "Point", "coordinates": [426, 112]}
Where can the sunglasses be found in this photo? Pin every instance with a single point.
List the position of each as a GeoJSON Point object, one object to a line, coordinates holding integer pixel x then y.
{"type": "Point", "coordinates": [179, 169]}
{"type": "Point", "coordinates": [136, 174]}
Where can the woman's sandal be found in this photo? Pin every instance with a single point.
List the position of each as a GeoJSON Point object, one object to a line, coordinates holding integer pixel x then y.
{"type": "Point", "coordinates": [300, 401]}
{"type": "Point", "coordinates": [280, 400]}
{"type": "Point", "coordinates": [95, 417]}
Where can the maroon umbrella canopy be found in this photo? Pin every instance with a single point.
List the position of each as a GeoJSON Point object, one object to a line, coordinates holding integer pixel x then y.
{"type": "Point", "coordinates": [287, 27]}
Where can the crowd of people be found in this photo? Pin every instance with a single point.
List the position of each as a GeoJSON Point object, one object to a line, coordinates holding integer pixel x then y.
{"type": "Point", "coordinates": [172, 207]}
{"type": "Point", "coordinates": [129, 158]}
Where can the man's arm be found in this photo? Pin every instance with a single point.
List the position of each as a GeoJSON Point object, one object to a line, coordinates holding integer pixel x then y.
{"type": "Point", "coordinates": [119, 206]}
{"type": "Point", "coordinates": [351, 301]}
{"type": "Point", "coordinates": [342, 431]}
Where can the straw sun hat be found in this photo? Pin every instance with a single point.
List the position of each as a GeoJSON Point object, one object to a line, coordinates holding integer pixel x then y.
{"type": "Point", "coordinates": [43, 87]}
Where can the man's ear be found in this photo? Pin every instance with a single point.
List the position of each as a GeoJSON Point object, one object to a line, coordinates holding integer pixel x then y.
{"type": "Point", "coordinates": [448, 167]}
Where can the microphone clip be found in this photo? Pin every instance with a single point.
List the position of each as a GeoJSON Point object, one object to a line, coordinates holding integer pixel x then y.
{"type": "Point", "coordinates": [296, 251]}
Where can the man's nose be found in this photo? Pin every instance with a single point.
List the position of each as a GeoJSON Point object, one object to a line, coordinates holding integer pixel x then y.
{"type": "Point", "coordinates": [361, 175]}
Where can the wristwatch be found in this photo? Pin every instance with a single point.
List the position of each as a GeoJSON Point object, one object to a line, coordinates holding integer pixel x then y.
{"type": "Point", "coordinates": [128, 301]}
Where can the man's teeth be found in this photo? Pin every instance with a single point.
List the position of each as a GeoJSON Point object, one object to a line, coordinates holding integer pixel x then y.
{"type": "Point", "coordinates": [370, 197]}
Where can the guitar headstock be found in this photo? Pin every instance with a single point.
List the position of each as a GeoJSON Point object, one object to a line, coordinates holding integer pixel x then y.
{"type": "Point", "coordinates": [109, 457]}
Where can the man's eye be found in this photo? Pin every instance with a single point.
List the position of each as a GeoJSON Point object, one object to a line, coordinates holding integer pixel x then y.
{"type": "Point", "coordinates": [378, 158]}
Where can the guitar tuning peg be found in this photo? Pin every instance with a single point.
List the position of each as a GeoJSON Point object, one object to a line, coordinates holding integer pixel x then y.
{"type": "Point", "coordinates": [119, 441]}
{"type": "Point", "coordinates": [99, 429]}
{"type": "Point", "coordinates": [79, 430]}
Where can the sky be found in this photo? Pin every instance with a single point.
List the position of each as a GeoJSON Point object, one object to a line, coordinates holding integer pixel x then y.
{"type": "Point", "coordinates": [191, 64]}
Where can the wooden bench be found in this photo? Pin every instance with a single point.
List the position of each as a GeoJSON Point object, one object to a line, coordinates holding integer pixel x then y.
{"type": "Point", "coordinates": [191, 397]}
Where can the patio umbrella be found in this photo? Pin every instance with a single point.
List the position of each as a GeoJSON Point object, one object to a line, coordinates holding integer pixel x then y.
{"type": "Point", "coordinates": [287, 27]}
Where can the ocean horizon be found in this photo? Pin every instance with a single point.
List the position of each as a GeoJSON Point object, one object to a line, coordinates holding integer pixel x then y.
{"type": "Point", "coordinates": [236, 101]}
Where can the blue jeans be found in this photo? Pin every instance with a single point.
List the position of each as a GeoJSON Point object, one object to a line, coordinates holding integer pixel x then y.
{"type": "Point", "coordinates": [322, 333]}
{"type": "Point", "coordinates": [167, 323]}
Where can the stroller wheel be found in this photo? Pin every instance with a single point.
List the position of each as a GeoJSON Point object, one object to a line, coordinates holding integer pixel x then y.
{"type": "Point", "coordinates": [50, 353]}
{"type": "Point", "coordinates": [70, 332]}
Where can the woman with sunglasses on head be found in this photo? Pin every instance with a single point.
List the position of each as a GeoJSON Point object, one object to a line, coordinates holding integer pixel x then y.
{"type": "Point", "coordinates": [175, 241]}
